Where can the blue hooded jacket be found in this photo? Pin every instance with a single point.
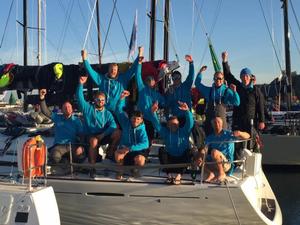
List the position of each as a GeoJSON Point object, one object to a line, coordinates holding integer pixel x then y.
{"type": "Point", "coordinates": [66, 130]}
{"type": "Point", "coordinates": [135, 138]}
{"type": "Point", "coordinates": [147, 95]}
{"type": "Point", "coordinates": [96, 121]}
{"type": "Point", "coordinates": [213, 94]}
{"type": "Point", "coordinates": [176, 142]}
{"type": "Point", "coordinates": [111, 87]}
{"type": "Point", "coordinates": [181, 93]}
{"type": "Point", "coordinates": [227, 148]}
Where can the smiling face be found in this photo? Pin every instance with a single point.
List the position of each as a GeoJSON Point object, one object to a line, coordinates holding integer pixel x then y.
{"type": "Point", "coordinates": [173, 124]}
{"type": "Point", "coordinates": [246, 79]}
{"type": "Point", "coordinates": [67, 109]}
{"type": "Point", "coordinates": [136, 121]}
{"type": "Point", "coordinates": [217, 125]}
{"type": "Point", "coordinates": [219, 79]}
{"type": "Point", "coordinates": [113, 70]}
{"type": "Point", "coordinates": [99, 100]}
{"type": "Point", "coordinates": [150, 82]}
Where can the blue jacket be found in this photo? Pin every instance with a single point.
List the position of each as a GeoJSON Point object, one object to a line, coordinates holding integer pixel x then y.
{"type": "Point", "coordinates": [181, 93]}
{"type": "Point", "coordinates": [97, 122]}
{"type": "Point", "coordinates": [226, 148]}
{"type": "Point", "coordinates": [213, 94]}
{"type": "Point", "coordinates": [111, 87]}
{"type": "Point", "coordinates": [176, 142]}
{"type": "Point", "coordinates": [66, 130]}
{"type": "Point", "coordinates": [136, 139]}
{"type": "Point", "coordinates": [146, 95]}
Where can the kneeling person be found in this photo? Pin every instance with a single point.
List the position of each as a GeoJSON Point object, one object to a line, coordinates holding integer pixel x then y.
{"type": "Point", "coordinates": [221, 150]}
{"type": "Point", "coordinates": [134, 140]}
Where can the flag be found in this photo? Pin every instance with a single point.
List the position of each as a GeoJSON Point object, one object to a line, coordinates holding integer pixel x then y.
{"type": "Point", "coordinates": [214, 58]}
{"type": "Point", "coordinates": [133, 41]}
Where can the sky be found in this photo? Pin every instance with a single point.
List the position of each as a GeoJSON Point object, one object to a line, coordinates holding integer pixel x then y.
{"type": "Point", "coordinates": [235, 26]}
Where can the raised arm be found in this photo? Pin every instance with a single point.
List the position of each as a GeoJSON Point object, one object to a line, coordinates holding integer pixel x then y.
{"type": "Point", "coordinates": [44, 108]}
{"type": "Point", "coordinates": [229, 77]}
{"type": "Point", "coordinates": [125, 77]}
{"type": "Point", "coordinates": [96, 77]}
{"type": "Point", "coordinates": [189, 122]}
{"type": "Point", "coordinates": [138, 77]}
{"type": "Point", "coordinates": [83, 104]}
{"type": "Point", "coordinates": [204, 90]}
{"type": "Point", "coordinates": [190, 78]}
{"type": "Point", "coordinates": [231, 96]}
{"type": "Point", "coordinates": [121, 115]}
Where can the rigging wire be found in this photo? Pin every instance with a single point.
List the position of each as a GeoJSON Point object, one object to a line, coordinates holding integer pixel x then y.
{"type": "Point", "coordinates": [121, 24]}
{"type": "Point", "coordinates": [173, 43]}
{"type": "Point", "coordinates": [108, 41]}
{"type": "Point", "coordinates": [294, 38]}
{"type": "Point", "coordinates": [270, 35]}
{"type": "Point", "coordinates": [89, 26]}
{"type": "Point", "coordinates": [61, 40]}
{"type": "Point", "coordinates": [296, 18]}
{"type": "Point", "coordinates": [109, 24]}
{"type": "Point", "coordinates": [6, 23]}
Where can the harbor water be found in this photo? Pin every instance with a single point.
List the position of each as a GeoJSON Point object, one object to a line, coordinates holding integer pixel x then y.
{"type": "Point", "coordinates": [285, 182]}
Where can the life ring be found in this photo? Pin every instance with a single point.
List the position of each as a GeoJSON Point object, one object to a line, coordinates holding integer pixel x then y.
{"type": "Point", "coordinates": [33, 156]}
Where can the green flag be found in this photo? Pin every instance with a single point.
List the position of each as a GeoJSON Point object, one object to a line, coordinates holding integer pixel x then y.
{"type": "Point", "coordinates": [214, 58]}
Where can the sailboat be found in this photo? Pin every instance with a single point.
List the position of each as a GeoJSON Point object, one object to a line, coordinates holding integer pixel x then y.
{"type": "Point", "coordinates": [245, 198]}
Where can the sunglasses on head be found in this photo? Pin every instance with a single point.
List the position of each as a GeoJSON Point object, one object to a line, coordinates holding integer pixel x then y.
{"type": "Point", "coordinates": [218, 78]}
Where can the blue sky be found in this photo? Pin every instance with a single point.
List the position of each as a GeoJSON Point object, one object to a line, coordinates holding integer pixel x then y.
{"type": "Point", "coordinates": [239, 29]}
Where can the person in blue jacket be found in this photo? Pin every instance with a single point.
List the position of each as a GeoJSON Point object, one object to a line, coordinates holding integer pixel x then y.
{"type": "Point", "coordinates": [134, 140]}
{"type": "Point", "coordinates": [102, 128]}
{"type": "Point", "coordinates": [220, 150]}
{"type": "Point", "coordinates": [180, 91]}
{"type": "Point", "coordinates": [147, 96]}
{"type": "Point", "coordinates": [67, 129]}
{"type": "Point", "coordinates": [112, 83]}
{"type": "Point", "coordinates": [176, 139]}
{"type": "Point", "coordinates": [218, 96]}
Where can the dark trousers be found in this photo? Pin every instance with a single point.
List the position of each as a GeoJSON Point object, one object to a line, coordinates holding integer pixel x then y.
{"type": "Point", "coordinates": [60, 151]}
{"type": "Point", "coordinates": [166, 158]}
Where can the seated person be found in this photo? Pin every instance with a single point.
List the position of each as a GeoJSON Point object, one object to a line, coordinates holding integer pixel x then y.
{"type": "Point", "coordinates": [219, 151]}
{"type": "Point", "coordinates": [67, 127]}
{"type": "Point", "coordinates": [100, 123]}
{"type": "Point", "coordinates": [176, 140]}
{"type": "Point", "coordinates": [134, 140]}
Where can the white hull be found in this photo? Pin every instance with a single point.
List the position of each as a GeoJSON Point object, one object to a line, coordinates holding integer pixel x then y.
{"type": "Point", "coordinates": [107, 201]}
{"type": "Point", "coordinates": [19, 206]}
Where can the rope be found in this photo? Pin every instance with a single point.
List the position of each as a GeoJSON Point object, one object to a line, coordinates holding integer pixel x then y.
{"type": "Point", "coordinates": [6, 23]}
{"type": "Point", "coordinates": [232, 203]}
{"type": "Point", "coordinates": [295, 15]}
{"type": "Point", "coordinates": [88, 30]}
{"type": "Point", "coordinates": [270, 35]}
{"type": "Point", "coordinates": [109, 24]}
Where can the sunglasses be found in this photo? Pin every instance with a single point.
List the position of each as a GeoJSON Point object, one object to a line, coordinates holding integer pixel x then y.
{"type": "Point", "coordinates": [99, 99]}
{"type": "Point", "coordinates": [218, 78]}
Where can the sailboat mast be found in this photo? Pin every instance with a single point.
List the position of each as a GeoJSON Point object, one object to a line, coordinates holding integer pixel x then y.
{"type": "Point", "coordinates": [166, 30]}
{"type": "Point", "coordinates": [152, 30]}
{"type": "Point", "coordinates": [39, 56]}
{"type": "Point", "coordinates": [287, 52]}
{"type": "Point", "coordinates": [98, 32]}
{"type": "Point", "coordinates": [25, 38]}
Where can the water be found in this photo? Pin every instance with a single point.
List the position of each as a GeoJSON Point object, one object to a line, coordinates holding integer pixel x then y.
{"type": "Point", "coordinates": [286, 186]}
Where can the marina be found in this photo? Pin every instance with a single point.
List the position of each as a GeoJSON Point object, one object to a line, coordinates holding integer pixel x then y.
{"type": "Point", "coordinates": [113, 133]}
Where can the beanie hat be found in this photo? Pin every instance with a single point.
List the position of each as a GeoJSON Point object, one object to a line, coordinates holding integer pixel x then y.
{"type": "Point", "coordinates": [245, 71]}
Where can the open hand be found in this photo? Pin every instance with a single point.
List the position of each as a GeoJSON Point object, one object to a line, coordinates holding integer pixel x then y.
{"type": "Point", "coordinates": [154, 107]}
{"type": "Point", "coordinates": [42, 93]}
{"type": "Point", "coordinates": [83, 54]}
{"type": "Point", "coordinates": [83, 79]}
{"type": "Point", "coordinates": [124, 94]}
{"type": "Point", "coordinates": [183, 106]}
{"type": "Point", "coordinates": [188, 58]}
